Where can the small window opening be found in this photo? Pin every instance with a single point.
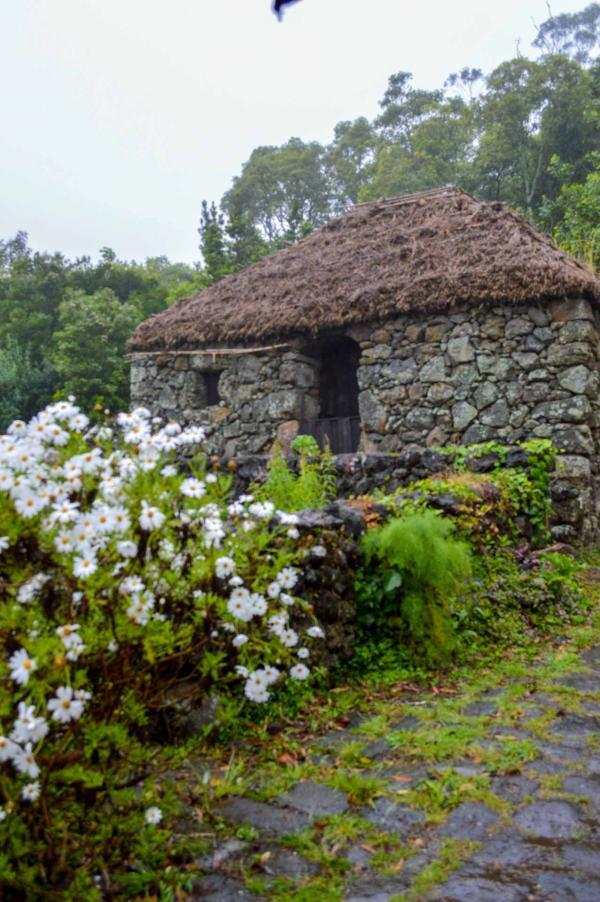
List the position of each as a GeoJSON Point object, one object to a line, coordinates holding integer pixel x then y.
{"type": "Point", "coordinates": [211, 381]}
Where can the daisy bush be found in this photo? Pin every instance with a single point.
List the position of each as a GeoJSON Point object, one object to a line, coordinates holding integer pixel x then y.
{"type": "Point", "coordinates": [122, 579]}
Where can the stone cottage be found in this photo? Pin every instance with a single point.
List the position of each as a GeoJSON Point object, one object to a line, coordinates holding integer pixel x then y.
{"type": "Point", "coordinates": [428, 319]}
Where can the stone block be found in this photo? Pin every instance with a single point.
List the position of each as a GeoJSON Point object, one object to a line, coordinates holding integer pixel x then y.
{"type": "Point", "coordinates": [579, 380]}
{"type": "Point", "coordinates": [402, 371]}
{"type": "Point", "coordinates": [485, 395]}
{"type": "Point", "coordinates": [574, 410]}
{"type": "Point", "coordinates": [518, 326]}
{"type": "Point", "coordinates": [460, 350]}
{"type": "Point", "coordinates": [372, 413]}
{"type": "Point", "coordinates": [565, 311]}
{"type": "Point", "coordinates": [538, 316]}
{"type": "Point", "coordinates": [496, 415]}
{"type": "Point", "coordinates": [283, 405]}
{"type": "Point", "coordinates": [570, 354]}
{"type": "Point", "coordinates": [574, 468]}
{"type": "Point", "coordinates": [440, 392]}
{"type": "Point", "coordinates": [463, 414]}
{"type": "Point", "coordinates": [286, 433]}
{"type": "Point", "coordinates": [577, 331]}
{"type": "Point", "coordinates": [434, 370]}
{"type": "Point", "coordinates": [526, 360]}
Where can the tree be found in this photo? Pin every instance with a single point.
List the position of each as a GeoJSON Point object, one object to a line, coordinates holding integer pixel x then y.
{"type": "Point", "coordinates": [576, 215]}
{"type": "Point", "coordinates": [281, 190]}
{"type": "Point", "coordinates": [350, 160]}
{"type": "Point", "coordinates": [89, 347]}
{"type": "Point", "coordinates": [570, 34]}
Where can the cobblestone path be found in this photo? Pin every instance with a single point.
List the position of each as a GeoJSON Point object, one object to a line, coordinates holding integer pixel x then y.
{"type": "Point", "coordinates": [486, 795]}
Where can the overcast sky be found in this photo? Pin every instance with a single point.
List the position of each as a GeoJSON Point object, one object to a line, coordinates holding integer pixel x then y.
{"type": "Point", "coordinates": [120, 116]}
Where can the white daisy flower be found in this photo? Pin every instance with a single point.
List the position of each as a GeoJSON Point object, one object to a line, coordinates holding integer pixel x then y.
{"type": "Point", "coordinates": [127, 548]}
{"type": "Point", "coordinates": [288, 637]}
{"type": "Point", "coordinates": [224, 566]}
{"type": "Point", "coordinates": [7, 748]}
{"type": "Point", "coordinates": [21, 666]}
{"type": "Point", "coordinates": [30, 792]}
{"type": "Point", "coordinates": [299, 672]}
{"type": "Point", "coordinates": [192, 488]}
{"type": "Point", "coordinates": [4, 543]}
{"type": "Point", "coordinates": [153, 815]}
{"type": "Point", "coordinates": [288, 578]}
{"type": "Point", "coordinates": [315, 632]}
{"type": "Point", "coordinates": [84, 566]}
{"type": "Point", "coordinates": [239, 640]}
{"type": "Point", "coordinates": [25, 763]}
{"type": "Point", "coordinates": [151, 517]}
{"type": "Point", "coordinates": [256, 687]}
{"type": "Point", "coordinates": [65, 707]}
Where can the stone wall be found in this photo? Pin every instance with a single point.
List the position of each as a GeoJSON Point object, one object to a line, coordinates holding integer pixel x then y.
{"type": "Point", "coordinates": [504, 373]}
{"type": "Point", "coordinates": [262, 394]}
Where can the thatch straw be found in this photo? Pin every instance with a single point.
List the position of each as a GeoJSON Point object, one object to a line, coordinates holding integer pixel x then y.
{"type": "Point", "coordinates": [423, 252]}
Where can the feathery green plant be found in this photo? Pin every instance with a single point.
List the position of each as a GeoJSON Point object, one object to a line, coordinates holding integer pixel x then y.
{"type": "Point", "coordinates": [419, 567]}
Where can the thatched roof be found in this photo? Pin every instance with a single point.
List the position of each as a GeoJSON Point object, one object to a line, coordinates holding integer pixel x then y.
{"type": "Point", "coordinates": [422, 252]}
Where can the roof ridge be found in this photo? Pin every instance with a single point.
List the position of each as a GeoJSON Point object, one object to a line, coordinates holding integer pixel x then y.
{"type": "Point", "coordinates": [400, 199]}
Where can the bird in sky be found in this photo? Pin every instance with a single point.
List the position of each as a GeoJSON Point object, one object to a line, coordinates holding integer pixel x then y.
{"type": "Point", "coordinates": [278, 6]}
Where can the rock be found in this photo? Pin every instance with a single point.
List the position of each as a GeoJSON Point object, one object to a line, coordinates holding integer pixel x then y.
{"type": "Point", "coordinates": [565, 311]}
{"type": "Point", "coordinates": [434, 370]}
{"type": "Point", "coordinates": [219, 888]}
{"type": "Point", "coordinates": [579, 380]}
{"type": "Point", "coordinates": [496, 415]}
{"type": "Point", "coordinates": [480, 889]}
{"type": "Point", "coordinates": [568, 355]}
{"type": "Point", "coordinates": [550, 820]}
{"type": "Point", "coordinates": [518, 326]}
{"type": "Point", "coordinates": [393, 818]}
{"type": "Point", "coordinates": [265, 818]}
{"type": "Point", "coordinates": [575, 725]}
{"type": "Point", "coordinates": [402, 371]}
{"type": "Point", "coordinates": [373, 414]}
{"type": "Point", "coordinates": [538, 316]}
{"type": "Point", "coordinates": [526, 360]}
{"type": "Point", "coordinates": [460, 350]}
{"type": "Point", "coordinates": [485, 395]}
{"type": "Point", "coordinates": [463, 413]}
{"type": "Point", "coordinates": [440, 392]}
{"type": "Point", "coordinates": [556, 885]}
{"type": "Point", "coordinates": [573, 467]}
{"type": "Point", "coordinates": [575, 410]}
{"type": "Point", "coordinates": [314, 799]}
{"type": "Point", "coordinates": [471, 820]}
{"type": "Point", "coordinates": [286, 433]}
{"type": "Point", "coordinates": [514, 788]}
{"type": "Point", "coordinates": [577, 332]}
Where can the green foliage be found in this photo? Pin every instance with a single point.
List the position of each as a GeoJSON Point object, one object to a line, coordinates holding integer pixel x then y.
{"type": "Point", "coordinates": [517, 592]}
{"type": "Point", "coordinates": [416, 567]}
{"type": "Point", "coordinates": [90, 344]}
{"type": "Point", "coordinates": [63, 324]}
{"type": "Point", "coordinates": [314, 484]}
{"type": "Point", "coordinates": [520, 491]}
{"type": "Point", "coordinates": [575, 214]}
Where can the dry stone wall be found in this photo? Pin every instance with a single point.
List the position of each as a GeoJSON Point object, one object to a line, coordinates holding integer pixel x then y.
{"type": "Point", "coordinates": [261, 394]}
{"type": "Point", "coordinates": [504, 373]}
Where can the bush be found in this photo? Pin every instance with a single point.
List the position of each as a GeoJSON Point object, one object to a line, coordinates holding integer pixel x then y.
{"type": "Point", "coordinates": [415, 566]}
{"type": "Point", "coordinates": [313, 486]}
{"type": "Point", "coordinates": [122, 579]}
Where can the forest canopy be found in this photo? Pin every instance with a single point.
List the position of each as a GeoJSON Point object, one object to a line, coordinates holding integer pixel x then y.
{"type": "Point", "coordinates": [527, 133]}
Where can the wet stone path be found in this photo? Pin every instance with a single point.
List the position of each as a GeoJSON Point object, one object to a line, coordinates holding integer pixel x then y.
{"type": "Point", "coordinates": [488, 795]}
